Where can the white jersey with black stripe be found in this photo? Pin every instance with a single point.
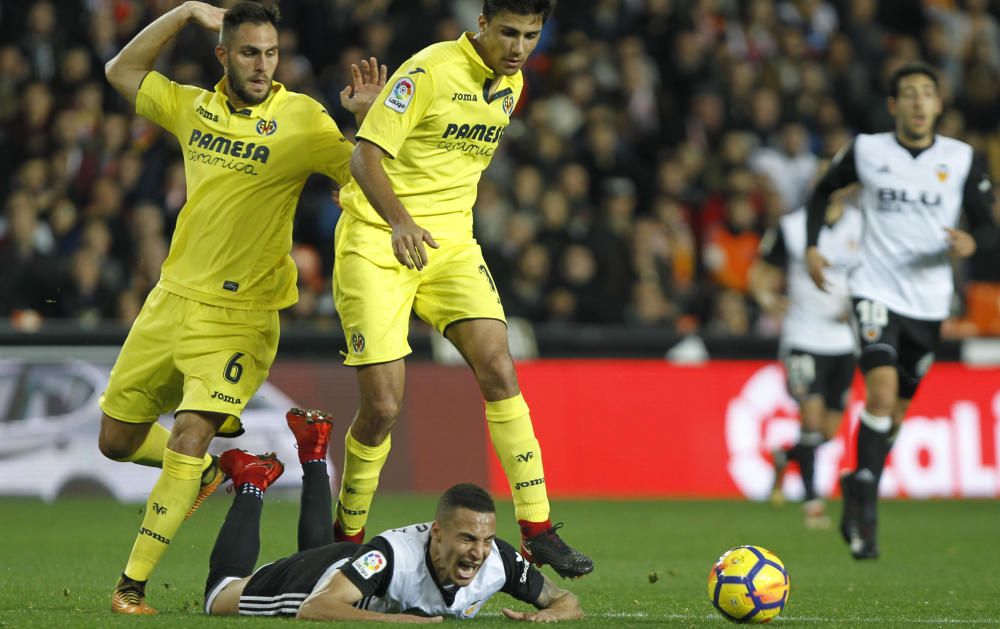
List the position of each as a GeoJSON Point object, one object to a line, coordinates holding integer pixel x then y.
{"type": "Point", "coordinates": [908, 202]}
{"type": "Point", "coordinates": [394, 575]}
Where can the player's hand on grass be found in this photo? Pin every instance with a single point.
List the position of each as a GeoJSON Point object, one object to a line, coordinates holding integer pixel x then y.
{"type": "Point", "coordinates": [367, 81]}
{"type": "Point", "coordinates": [408, 241]}
{"type": "Point", "coordinates": [961, 244]}
{"type": "Point", "coordinates": [205, 15]}
{"type": "Point", "coordinates": [815, 262]}
{"type": "Point", "coordinates": [542, 615]}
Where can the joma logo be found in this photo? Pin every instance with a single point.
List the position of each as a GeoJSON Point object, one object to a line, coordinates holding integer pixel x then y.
{"type": "Point", "coordinates": [156, 536]}
{"type": "Point", "coordinates": [530, 483]}
{"type": "Point", "coordinates": [226, 398]}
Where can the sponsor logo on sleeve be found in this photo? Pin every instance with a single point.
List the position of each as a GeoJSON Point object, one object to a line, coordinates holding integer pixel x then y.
{"type": "Point", "coordinates": [370, 564]}
{"type": "Point", "coordinates": [400, 95]}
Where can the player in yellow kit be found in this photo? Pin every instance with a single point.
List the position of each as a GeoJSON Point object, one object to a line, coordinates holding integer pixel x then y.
{"type": "Point", "coordinates": [208, 332]}
{"type": "Point", "coordinates": [426, 141]}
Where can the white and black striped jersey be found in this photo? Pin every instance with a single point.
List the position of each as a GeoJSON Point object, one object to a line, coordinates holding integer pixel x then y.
{"type": "Point", "coordinates": [817, 321]}
{"type": "Point", "coordinates": [394, 574]}
{"type": "Point", "coordinates": [909, 196]}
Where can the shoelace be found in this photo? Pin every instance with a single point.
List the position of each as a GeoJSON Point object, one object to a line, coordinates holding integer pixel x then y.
{"type": "Point", "coordinates": [558, 541]}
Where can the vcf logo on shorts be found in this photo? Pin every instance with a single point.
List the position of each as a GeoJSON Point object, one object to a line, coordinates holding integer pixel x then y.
{"type": "Point", "coordinates": [357, 342]}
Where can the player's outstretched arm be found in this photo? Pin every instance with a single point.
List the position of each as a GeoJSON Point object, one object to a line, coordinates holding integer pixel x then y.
{"type": "Point", "coordinates": [336, 599]}
{"type": "Point", "coordinates": [556, 604]}
{"type": "Point", "coordinates": [127, 69]}
{"type": "Point", "coordinates": [408, 238]}
{"type": "Point", "coordinates": [366, 83]}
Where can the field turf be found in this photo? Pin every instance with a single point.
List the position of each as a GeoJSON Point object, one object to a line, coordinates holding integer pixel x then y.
{"type": "Point", "coordinates": [940, 562]}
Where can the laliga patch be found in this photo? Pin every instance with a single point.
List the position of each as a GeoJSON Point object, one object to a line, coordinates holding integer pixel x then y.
{"type": "Point", "coordinates": [369, 564]}
{"type": "Point", "coordinates": [508, 104]}
{"type": "Point", "coordinates": [400, 95]}
{"type": "Point", "coordinates": [267, 127]}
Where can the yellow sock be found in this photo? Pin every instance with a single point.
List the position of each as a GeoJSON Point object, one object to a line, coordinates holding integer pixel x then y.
{"type": "Point", "coordinates": [514, 441]}
{"type": "Point", "coordinates": [168, 504]}
{"type": "Point", "coordinates": [150, 453]}
{"type": "Point", "coordinates": [362, 466]}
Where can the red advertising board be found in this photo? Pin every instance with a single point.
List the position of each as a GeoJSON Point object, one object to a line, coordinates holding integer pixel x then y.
{"type": "Point", "coordinates": [651, 429]}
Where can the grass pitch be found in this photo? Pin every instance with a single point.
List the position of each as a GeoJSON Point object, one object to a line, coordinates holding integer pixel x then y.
{"type": "Point", "coordinates": [59, 562]}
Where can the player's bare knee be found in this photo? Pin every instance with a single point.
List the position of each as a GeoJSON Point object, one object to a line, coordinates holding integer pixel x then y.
{"type": "Point", "coordinates": [192, 433]}
{"type": "Point", "coordinates": [118, 440]}
{"type": "Point", "coordinates": [114, 450]}
{"type": "Point", "coordinates": [496, 376]}
{"type": "Point", "coordinates": [377, 414]}
{"type": "Point", "coordinates": [190, 442]}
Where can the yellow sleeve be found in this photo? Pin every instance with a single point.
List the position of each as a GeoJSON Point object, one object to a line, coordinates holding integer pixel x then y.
{"type": "Point", "coordinates": [400, 106]}
{"type": "Point", "coordinates": [331, 150]}
{"type": "Point", "coordinates": [158, 99]}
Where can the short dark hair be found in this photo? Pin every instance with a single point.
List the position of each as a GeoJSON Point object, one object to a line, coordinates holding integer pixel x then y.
{"type": "Point", "coordinates": [247, 11]}
{"type": "Point", "coordinates": [521, 7]}
{"type": "Point", "coordinates": [464, 496]}
{"type": "Point", "coordinates": [908, 69]}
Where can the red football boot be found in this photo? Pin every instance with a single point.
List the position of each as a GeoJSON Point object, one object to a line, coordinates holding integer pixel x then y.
{"type": "Point", "coordinates": [312, 432]}
{"type": "Point", "coordinates": [260, 470]}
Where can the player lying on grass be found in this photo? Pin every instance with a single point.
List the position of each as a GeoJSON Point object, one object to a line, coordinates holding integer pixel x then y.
{"type": "Point", "coordinates": [418, 573]}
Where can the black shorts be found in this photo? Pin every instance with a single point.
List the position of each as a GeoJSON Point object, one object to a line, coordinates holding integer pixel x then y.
{"type": "Point", "coordinates": [279, 588]}
{"type": "Point", "coordinates": [890, 339]}
{"type": "Point", "coordinates": [808, 374]}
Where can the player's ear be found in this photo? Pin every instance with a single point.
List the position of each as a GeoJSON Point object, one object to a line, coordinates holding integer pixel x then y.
{"type": "Point", "coordinates": [221, 54]}
{"type": "Point", "coordinates": [436, 531]}
{"type": "Point", "coordinates": [482, 24]}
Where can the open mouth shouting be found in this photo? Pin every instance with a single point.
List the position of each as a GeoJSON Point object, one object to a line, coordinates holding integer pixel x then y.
{"type": "Point", "coordinates": [466, 570]}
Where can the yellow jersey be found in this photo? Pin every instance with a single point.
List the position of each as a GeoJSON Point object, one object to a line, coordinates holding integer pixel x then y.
{"type": "Point", "coordinates": [244, 171]}
{"type": "Point", "coordinates": [440, 125]}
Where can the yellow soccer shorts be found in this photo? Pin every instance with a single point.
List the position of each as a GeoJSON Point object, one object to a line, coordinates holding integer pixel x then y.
{"type": "Point", "coordinates": [183, 355]}
{"type": "Point", "coordinates": [375, 294]}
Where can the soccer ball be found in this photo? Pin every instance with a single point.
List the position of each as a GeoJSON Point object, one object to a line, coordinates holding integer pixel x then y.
{"type": "Point", "coordinates": [748, 584]}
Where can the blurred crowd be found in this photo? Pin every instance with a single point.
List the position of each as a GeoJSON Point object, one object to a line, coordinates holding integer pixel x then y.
{"type": "Point", "coordinates": [654, 143]}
